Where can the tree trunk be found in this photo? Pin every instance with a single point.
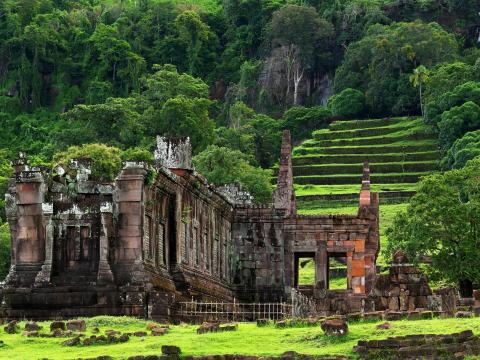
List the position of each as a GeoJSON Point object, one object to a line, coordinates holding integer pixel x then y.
{"type": "Point", "coordinates": [421, 101]}
{"type": "Point", "coordinates": [297, 78]}
{"type": "Point", "coordinates": [466, 288]}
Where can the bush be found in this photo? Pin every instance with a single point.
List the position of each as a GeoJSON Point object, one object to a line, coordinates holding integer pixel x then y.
{"type": "Point", "coordinates": [458, 121]}
{"type": "Point", "coordinates": [469, 91]}
{"type": "Point", "coordinates": [347, 104]}
{"type": "Point", "coordinates": [463, 150]}
{"type": "Point", "coordinates": [221, 166]}
{"type": "Point", "coordinates": [106, 160]}
{"type": "Point", "coordinates": [302, 121]}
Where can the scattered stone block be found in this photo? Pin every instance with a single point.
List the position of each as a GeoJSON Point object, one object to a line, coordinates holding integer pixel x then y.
{"type": "Point", "coordinates": [207, 327]}
{"type": "Point", "coordinates": [57, 325]}
{"type": "Point", "coordinates": [464, 314]}
{"type": "Point", "coordinates": [32, 326]}
{"type": "Point", "coordinates": [12, 327]}
{"type": "Point", "coordinates": [72, 342]}
{"type": "Point", "coordinates": [30, 333]}
{"type": "Point", "coordinates": [112, 332]}
{"type": "Point", "coordinates": [394, 315]}
{"type": "Point", "coordinates": [140, 333]}
{"type": "Point", "coordinates": [384, 326]}
{"type": "Point", "coordinates": [159, 331]}
{"type": "Point", "coordinates": [170, 350]}
{"type": "Point", "coordinates": [76, 325]}
{"type": "Point", "coordinates": [337, 327]}
{"type": "Point", "coordinates": [373, 316]}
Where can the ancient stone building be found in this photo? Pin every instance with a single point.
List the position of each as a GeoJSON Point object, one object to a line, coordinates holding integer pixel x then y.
{"type": "Point", "coordinates": [161, 234]}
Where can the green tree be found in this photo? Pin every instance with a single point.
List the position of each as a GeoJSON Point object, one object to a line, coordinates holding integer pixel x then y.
{"type": "Point", "coordinates": [379, 63]}
{"type": "Point", "coordinates": [470, 91]}
{"type": "Point", "coordinates": [267, 137]}
{"type": "Point", "coordinates": [297, 31]}
{"type": "Point", "coordinates": [223, 166]}
{"type": "Point", "coordinates": [347, 104]}
{"type": "Point", "coordinates": [418, 79]}
{"type": "Point", "coordinates": [442, 221]}
{"type": "Point", "coordinates": [301, 121]}
{"type": "Point", "coordinates": [458, 121]}
{"type": "Point", "coordinates": [194, 33]}
{"type": "Point", "coordinates": [462, 150]}
{"type": "Point", "coordinates": [445, 77]}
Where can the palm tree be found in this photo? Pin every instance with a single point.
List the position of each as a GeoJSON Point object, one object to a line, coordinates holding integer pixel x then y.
{"type": "Point", "coordinates": [419, 78]}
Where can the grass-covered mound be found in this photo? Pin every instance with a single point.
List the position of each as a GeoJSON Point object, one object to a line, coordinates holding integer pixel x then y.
{"type": "Point", "coordinates": [248, 339]}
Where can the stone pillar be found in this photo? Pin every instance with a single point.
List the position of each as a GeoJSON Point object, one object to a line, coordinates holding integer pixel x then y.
{"type": "Point", "coordinates": [130, 211]}
{"type": "Point", "coordinates": [321, 271]}
{"type": "Point", "coordinates": [284, 195]}
{"type": "Point", "coordinates": [44, 275]}
{"type": "Point", "coordinates": [105, 275]}
{"type": "Point", "coordinates": [29, 242]}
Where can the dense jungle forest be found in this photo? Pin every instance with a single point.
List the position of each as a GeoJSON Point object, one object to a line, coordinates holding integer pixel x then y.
{"type": "Point", "coordinates": [102, 78]}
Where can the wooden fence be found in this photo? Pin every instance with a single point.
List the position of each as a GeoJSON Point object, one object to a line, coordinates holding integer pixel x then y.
{"type": "Point", "coordinates": [197, 312]}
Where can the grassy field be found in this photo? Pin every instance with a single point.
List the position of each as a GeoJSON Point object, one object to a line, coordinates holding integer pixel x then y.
{"type": "Point", "coordinates": [248, 340]}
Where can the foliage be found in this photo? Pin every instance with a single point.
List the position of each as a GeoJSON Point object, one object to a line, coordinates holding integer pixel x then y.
{"type": "Point", "coordinates": [442, 221]}
{"type": "Point", "coordinates": [380, 62]}
{"type": "Point", "coordinates": [302, 121]}
{"type": "Point", "coordinates": [222, 166]}
{"type": "Point", "coordinates": [462, 150]}
{"type": "Point", "coordinates": [106, 161]}
{"type": "Point", "coordinates": [445, 77]}
{"type": "Point", "coordinates": [347, 104]}
{"type": "Point", "coordinates": [457, 121]}
{"type": "Point", "coordinates": [5, 246]}
{"type": "Point", "coordinates": [469, 91]}
{"type": "Point", "coordinates": [267, 137]}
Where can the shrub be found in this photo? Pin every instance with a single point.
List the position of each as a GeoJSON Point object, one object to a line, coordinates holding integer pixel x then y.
{"type": "Point", "coordinates": [347, 104]}
{"type": "Point", "coordinates": [302, 121]}
{"type": "Point", "coordinates": [106, 160]}
{"type": "Point", "coordinates": [458, 121]}
{"type": "Point", "coordinates": [463, 150]}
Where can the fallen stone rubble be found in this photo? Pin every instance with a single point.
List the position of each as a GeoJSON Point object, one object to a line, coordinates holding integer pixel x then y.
{"type": "Point", "coordinates": [452, 346]}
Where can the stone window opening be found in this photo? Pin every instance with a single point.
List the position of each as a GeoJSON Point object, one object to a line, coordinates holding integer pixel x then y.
{"type": "Point", "coordinates": [305, 270]}
{"type": "Point", "coordinates": [337, 271]}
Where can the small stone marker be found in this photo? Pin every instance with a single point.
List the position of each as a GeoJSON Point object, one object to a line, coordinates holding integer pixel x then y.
{"type": "Point", "coordinates": [11, 327]}
{"type": "Point", "coordinates": [57, 325]}
{"type": "Point", "coordinates": [76, 325]}
{"type": "Point", "coordinates": [170, 350]}
{"type": "Point", "coordinates": [32, 326]}
{"type": "Point", "coordinates": [338, 327]}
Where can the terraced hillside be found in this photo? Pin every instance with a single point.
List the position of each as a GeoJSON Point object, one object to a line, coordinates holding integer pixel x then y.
{"type": "Point", "coordinates": [328, 168]}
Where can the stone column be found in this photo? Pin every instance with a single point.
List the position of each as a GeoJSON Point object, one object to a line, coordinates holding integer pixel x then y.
{"type": "Point", "coordinates": [129, 201]}
{"type": "Point", "coordinates": [43, 276]}
{"type": "Point", "coordinates": [30, 230]}
{"type": "Point", "coordinates": [105, 275]}
{"type": "Point", "coordinates": [321, 263]}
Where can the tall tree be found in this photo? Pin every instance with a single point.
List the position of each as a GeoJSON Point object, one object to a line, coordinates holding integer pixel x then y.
{"type": "Point", "coordinates": [296, 33]}
{"type": "Point", "coordinates": [418, 79]}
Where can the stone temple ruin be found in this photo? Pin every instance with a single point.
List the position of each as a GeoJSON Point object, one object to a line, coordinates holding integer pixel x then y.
{"type": "Point", "coordinates": [139, 246]}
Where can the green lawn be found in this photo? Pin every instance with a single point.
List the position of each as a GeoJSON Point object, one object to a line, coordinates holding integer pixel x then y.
{"type": "Point", "coordinates": [306, 190]}
{"type": "Point", "coordinates": [248, 340]}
